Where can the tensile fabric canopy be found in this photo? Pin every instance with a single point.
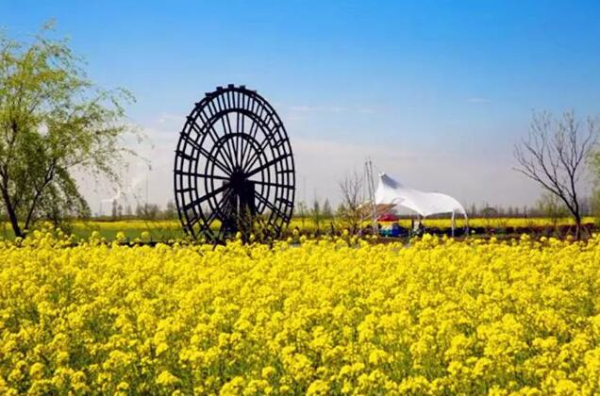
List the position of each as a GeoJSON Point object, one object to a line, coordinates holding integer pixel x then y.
{"type": "Point", "coordinates": [389, 191]}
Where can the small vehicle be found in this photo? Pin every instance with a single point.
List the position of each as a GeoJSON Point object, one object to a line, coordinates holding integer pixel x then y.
{"type": "Point", "coordinates": [392, 230]}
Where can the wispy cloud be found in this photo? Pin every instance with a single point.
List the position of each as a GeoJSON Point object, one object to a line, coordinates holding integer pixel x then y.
{"type": "Point", "coordinates": [165, 118]}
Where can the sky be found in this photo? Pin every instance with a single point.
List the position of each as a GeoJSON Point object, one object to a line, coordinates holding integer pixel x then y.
{"type": "Point", "coordinates": [436, 93]}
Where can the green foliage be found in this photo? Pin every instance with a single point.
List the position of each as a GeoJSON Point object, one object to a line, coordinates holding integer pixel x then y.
{"type": "Point", "coordinates": [53, 121]}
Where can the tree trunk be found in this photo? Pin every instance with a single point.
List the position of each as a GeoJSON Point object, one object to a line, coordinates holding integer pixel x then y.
{"type": "Point", "coordinates": [12, 216]}
{"type": "Point", "coordinates": [578, 226]}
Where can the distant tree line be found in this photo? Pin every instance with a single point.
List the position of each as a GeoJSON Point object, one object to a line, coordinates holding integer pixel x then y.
{"type": "Point", "coordinates": [145, 211]}
{"type": "Point", "coordinates": [545, 206]}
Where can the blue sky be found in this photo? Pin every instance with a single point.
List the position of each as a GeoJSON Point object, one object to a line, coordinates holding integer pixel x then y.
{"type": "Point", "coordinates": [436, 92]}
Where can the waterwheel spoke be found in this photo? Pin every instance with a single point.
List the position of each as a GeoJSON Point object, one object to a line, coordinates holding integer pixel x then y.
{"type": "Point", "coordinates": [203, 175]}
{"type": "Point", "coordinates": [261, 149]}
{"type": "Point", "coordinates": [278, 185]}
{"type": "Point", "coordinates": [267, 164]}
{"type": "Point", "coordinates": [273, 208]}
{"type": "Point", "coordinates": [205, 197]}
{"type": "Point", "coordinates": [216, 211]}
{"type": "Point", "coordinates": [227, 130]}
{"type": "Point", "coordinates": [210, 129]}
{"type": "Point", "coordinates": [248, 148]}
{"type": "Point", "coordinates": [210, 157]}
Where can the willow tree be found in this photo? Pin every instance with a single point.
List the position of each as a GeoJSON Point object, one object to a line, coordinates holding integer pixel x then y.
{"type": "Point", "coordinates": [53, 122]}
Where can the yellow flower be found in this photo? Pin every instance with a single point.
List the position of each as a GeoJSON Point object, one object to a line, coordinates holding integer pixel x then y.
{"type": "Point", "coordinates": [36, 371]}
{"type": "Point", "coordinates": [120, 237]}
{"type": "Point", "coordinates": [333, 315]}
{"type": "Point", "coordinates": [318, 387]}
{"type": "Point", "coordinates": [165, 378]}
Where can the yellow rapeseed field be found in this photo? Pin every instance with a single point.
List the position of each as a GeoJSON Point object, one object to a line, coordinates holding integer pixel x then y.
{"type": "Point", "coordinates": [165, 230]}
{"type": "Point", "coordinates": [335, 316]}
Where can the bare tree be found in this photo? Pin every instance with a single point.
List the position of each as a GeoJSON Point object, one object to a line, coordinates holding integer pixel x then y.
{"type": "Point", "coordinates": [351, 211]}
{"type": "Point", "coordinates": [316, 214]}
{"type": "Point", "coordinates": [326, 211]}
{"type": "Point", "coordinates": [170, 210]}
{"type": "Point", "coordinates": [554, 154]}
{"type": "Point", "coordinates": [301, 212]}
{"type": "Point", "coordinates": [114, 212]}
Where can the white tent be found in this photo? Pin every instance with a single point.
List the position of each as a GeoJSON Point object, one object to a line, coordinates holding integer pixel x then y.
{"type": "Point", "coordinates": [389, 191]}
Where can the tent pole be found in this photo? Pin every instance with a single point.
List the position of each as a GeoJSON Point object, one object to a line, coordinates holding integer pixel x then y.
{"type": "Point", "coordinates": [371, 190]}
{"type": "Point", "coordinates": [453, 224]}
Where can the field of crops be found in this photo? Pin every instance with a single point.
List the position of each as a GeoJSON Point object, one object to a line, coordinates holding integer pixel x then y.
{"type": "Point", "coordinates": [165, 230]}
{"type": "Point", "coordinates": [333, 316]}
